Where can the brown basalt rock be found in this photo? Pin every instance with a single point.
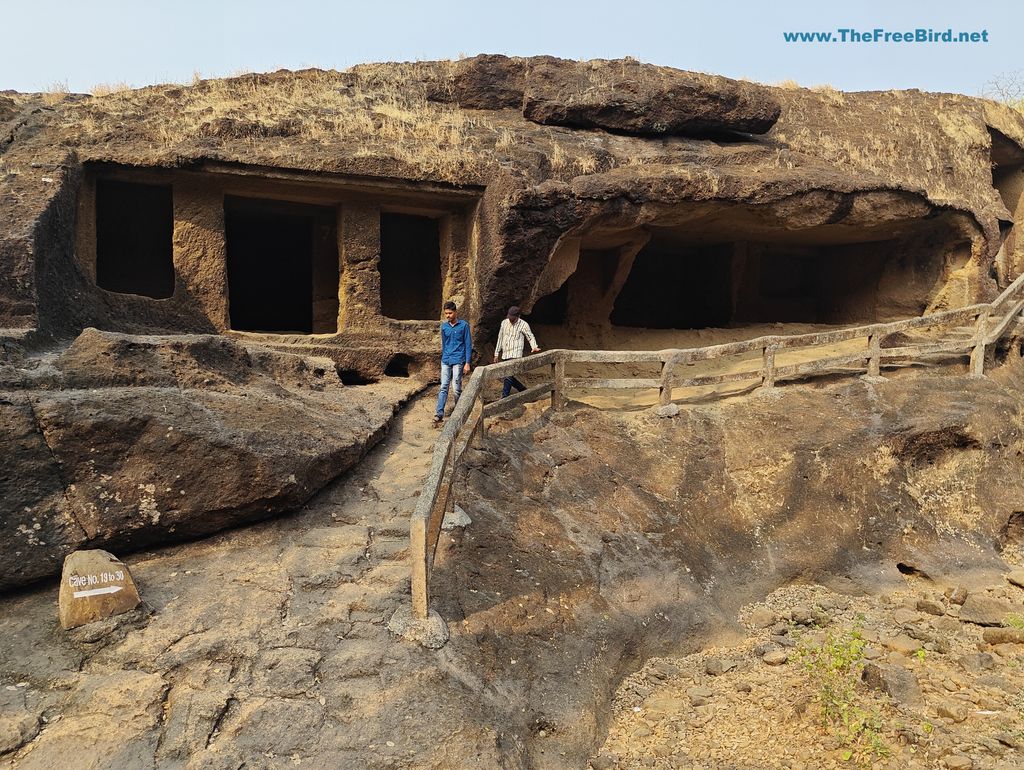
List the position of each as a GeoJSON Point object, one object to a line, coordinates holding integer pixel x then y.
{"type": "Point", "coordinates": [833, 168]}
{"type": "Point", "coordinates": [895, 681]}
{"type": "Point", "coordinates": [134, 440]}
{"type": "Point", "coordinates": [953, 711]}
{"type": "Point", "coordinates": [630, 97]}
{"type": "Point", "coordinates": [487, 82]}
{"type": "Point", "coordinates": [931, 607]}
{"type": "Point", "coordinates": [114, 720]}
{"type": "Point", "coordinates": [38, 525]}
{"type": "Point", "coordinates": [94, 585]}
{"type": "Point", "coordinates": [7, 108]}
{"type": "Point", "coordinates": [623, 96]}
{"type": "Point", "coordinates": [984, 610]}
{"type": "Point", "coordinates": [996, 636]}
{"type": "Point", "coordinates": [903, 644]}
{"type": "Point", "coordinates": [957, 595]}
{"type": "Point", "coordinates": [18, 724]}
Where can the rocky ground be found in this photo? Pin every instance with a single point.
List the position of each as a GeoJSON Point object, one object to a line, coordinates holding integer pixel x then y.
{"type": "Point", "coordinates": [924, 677]}
{"type": "Point", "coordinates": [264, 647]}
{"type": "Point", "coordinates": [126, 441]}
{"type": "Point", "coordinates": [600, 540]}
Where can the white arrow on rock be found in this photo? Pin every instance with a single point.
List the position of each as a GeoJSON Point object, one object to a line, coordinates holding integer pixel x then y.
{"type": "Point", "coordinates": [97, 591]}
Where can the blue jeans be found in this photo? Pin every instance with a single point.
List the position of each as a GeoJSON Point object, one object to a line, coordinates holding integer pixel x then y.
{"type": "Point", "coordinates": [451, 374]}
{"type": "Point", "coordinates": [508, 383]}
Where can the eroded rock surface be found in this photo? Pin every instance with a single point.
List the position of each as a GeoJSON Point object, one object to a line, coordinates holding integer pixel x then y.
{"type": "Point", "coordinates": [621, 150]}
{"type": "Point", "coordinates": [623, 95]}
{"type": "Point", "coordinates": [599, 539]}
{"type": "Point", "coordinates": [125, 441]}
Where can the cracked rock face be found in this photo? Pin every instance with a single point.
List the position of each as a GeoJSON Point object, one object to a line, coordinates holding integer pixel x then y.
{"type": "Point", "coordinates": [622, 96]}
{"type": "Point", "coordinates": [125, 441]}
{"type": "Point", "coordinates": [599, 539]}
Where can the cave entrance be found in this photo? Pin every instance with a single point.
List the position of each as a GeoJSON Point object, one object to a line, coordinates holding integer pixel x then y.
{"type": "Point", "coordinates": [730, 269]}
{"type": "Point", "coordinates": [410, 267]}
{"type": "Point", "coordinates": [681, 282]}
{"type": "Point", "coordinates": [677, 286]}
{"type": "Point", "coordinates": [1008, 180]}
{"type": "Point", "coordinates": [134, 231]}
{"type": "Point", "coordinates": [685, 281]}
{"type": "Point", "coordinates": [282, 261]}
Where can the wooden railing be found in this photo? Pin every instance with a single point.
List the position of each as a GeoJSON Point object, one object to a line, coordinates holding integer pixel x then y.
{"type": "Point", "coordinates": [969, 330]}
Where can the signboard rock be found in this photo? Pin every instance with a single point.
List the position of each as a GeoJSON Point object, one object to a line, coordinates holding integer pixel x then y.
{"type": "Point", "coordinates": [94, 585]}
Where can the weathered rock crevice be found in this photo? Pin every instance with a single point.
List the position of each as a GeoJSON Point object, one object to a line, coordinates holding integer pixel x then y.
{"type": "Point", "coordinates": [684, 520]}
{"type": "Point", "coordinates": [241, 433]}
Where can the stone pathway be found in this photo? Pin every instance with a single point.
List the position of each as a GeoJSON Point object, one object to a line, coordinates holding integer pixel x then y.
{"type": "Point", "coordinates": [265, 646]}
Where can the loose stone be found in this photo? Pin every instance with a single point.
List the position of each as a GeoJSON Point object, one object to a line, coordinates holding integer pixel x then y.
{"type": "Point", "coordinates": [958, 762]}
{"type": "Point", "coordinates": [953, 711]}
{"type": "Point", "coordinates": [94, 585]}
{"type": "Point", "coordinates": [984, 610]}
{"type": "Point", "coordinates": [931, 607]}
{"type": "Point", "coordinates": [903, 644]}
{"type": "Point", "coordinates": [957, 595]}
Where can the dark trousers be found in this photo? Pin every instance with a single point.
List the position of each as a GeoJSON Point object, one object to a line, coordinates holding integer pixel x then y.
{"type": "Point", "coordinates": [508, 383]}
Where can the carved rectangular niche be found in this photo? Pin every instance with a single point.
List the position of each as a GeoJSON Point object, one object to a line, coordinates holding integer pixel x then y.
{"type": "Point", "coordinates": [134, 227]}
{"type": "Point", "coordinates": [282, 266]}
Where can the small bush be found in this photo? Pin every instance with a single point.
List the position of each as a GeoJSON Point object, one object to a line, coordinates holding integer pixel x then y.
{"type": "Point", "coordinates": [834, 669]}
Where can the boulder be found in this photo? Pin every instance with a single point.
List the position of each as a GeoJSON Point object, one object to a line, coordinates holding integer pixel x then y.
{"type": "Point", "coordinates": [37, 525]}
{"type": "Point", "coordinates": [895, 681]}
{"type": "Point", "coordinates": [984, 610]}
{"type": "Point", "coordinates": [94, 585]}
{"type": "Point", "coordinates": [632, 98]}
{"type": "Point", "coordinates": [624, 96]}
{"type": "Point", "coordinates": [146, 439]}
{"type": "Point", "coordinates": [996, 636]}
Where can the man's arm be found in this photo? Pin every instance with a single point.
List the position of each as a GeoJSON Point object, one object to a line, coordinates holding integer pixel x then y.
{"type": "Point", "coordinates": [529, 336]}
{"type": "Point", "coordinates": [469, 348]}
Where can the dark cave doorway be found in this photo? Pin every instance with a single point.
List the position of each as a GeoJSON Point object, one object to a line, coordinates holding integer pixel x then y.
{"type": "Point", "coordinates": [134, 237]}
{"type": "Point", "coordinates": [410, 267]}
{"type": "Point", "coordinates": [282, 261]}
{"type": "Point", "coordinates": [676, 283]}
{"type": "Point", "coordinates": [732, 272]}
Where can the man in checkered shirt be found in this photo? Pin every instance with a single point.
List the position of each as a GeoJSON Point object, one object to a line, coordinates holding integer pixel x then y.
{"type": "Point", "coordinates": [513, 333]}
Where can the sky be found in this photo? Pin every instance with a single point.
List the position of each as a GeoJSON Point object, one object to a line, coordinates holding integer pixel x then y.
{"type": "Point", "coordinates": [48, 44]}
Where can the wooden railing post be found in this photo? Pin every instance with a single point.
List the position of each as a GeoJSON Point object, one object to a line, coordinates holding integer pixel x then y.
{"type": "Point", "coordinates": [978, 354]}
{"type": "Point", "coordinates": [418, 553]}
{"type": "Point", "coordinates": [480, 425]}
{"type": "Point", "coordinates": [558, 380]}
{"type": "Point", "coordinates": [667, 379]}
{"type": "Point", "coordinates": [874, 355]}
{"type": "Point", "coordinates": [768, 366]}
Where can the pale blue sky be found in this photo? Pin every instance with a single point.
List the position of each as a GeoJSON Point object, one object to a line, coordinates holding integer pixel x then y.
{"type": "Point", "coordinates": [86, 42]}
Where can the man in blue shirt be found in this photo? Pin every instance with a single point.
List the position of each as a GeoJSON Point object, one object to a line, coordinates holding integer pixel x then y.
{"type": "Point", "coordinates": [456, 347]}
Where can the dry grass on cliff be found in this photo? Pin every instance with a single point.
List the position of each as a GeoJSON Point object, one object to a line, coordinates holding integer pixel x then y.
{"type": "Point", "coordinates": [375, 112]}
{"type": "Point", "coordinates": [378, 111]}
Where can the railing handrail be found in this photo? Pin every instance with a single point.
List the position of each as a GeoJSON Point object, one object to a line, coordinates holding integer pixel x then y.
{"type": "Point", "coordinates": [426, 519]}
